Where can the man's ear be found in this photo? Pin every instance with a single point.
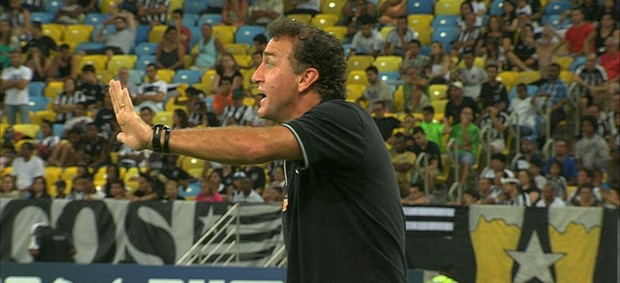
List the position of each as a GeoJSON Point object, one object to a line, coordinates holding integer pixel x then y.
{"type": "Point", "coordinates": [306, 79]}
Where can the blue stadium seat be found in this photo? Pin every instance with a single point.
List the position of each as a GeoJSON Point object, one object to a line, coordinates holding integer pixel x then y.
{"type": "Point", "coordinates": [190, 20]}
{"type": "Point", "coordinates": [52, 6]}
{"type": "Point", "coordinates": [425, 50]}
{"type": "Point", "coordinates": [556, 21]}
{"type": "Point", "coordinates": [245, 34]}
{"type": "Point", "coordinates": [445, 35]}
{"type": "Point", "coordinates": [444, 21]}
{"type": "Point", "coordinates": [135, 76]}
{"type": "Point", "coordinates": [38, 103]}
{"type": "Point", "coordinates": [42, 17]}
{"type": "Point", "coordinates": [89, 46]}
{"type": "Point", "coordinates": [146, 48]}
{"type": "Point", "coordinates": [58, 130]}
{"type": "Point", "coordinates": [95, 19]}
{"type": "Point", "coordinates": [108, 30]}
{"type": "Point", "coordinates": [195, 5]}
{"type": "Point", "coordinates": [187, 76]}
{"type": "Point", "coordinates": [142, 34]}
{"type": "Point", "coordinates": [389, 76]}
{"type": "Point", "coordinates": [196, 35]}
{"type": "Point", "coordinates": [35, 89]}
{"type": "Point", "coordinates": [577, 63]}
{"type": "Point", "coordinates": [212, 19]}
{"type": "Point", "coordinates": [557, 7]}
{"type": "Point", "coordinates": [143, 61]}
{"type": "Point", "coordinates": [420, 7]}
{"type": "Point", "coordinates": [496, 8]}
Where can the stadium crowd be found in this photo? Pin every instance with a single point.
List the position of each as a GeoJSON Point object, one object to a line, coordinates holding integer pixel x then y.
{"type": "Point", "coordinates": [515, 102]}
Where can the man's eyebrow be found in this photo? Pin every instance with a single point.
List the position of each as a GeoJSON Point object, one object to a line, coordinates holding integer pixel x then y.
{"type": "Point", "coordinates": [268, 53]}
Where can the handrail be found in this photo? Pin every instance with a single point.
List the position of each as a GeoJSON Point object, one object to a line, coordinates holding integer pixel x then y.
{"type": "Point", "coordinates": [548, 150]}
{"type": "Point", "coordinates": [574, 95]}
{"type": "Point", "coordinates": [273, 258]}
{"type": "Point", "coordinates": [454, 155]}
{"type": "Point", "coordinates": [485, 136]}
{"type": "Point", "coordinates": [423, 156]}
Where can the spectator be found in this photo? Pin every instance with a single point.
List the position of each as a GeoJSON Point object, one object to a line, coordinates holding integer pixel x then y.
{"type": "Point", "coordinates": [237, 112]}
{"type": "Point", "coordinates": [509, 21]}
{"type": "Point", "coordinates": [468, 34]}
{"type": "Point", "coordinates": [497, 169]}
{"type": "Point", "coordinates": [492, 35]}
{"type": "Point", "coordinates": [213, 7]}
{"type": "Point", "coordinates": [432, 155]}
{"type": "Point", "coordinates": [227, 68]}
{"type": "Point", "coordinates": [547, 47]}
{"type": "Point", "coordinates": [493, 92]}
{"type": "Point", "coordinates": [14, 85]}
{"type": "Point", "coordinates": [92, 88]}
{"type": "Point", "coordinates": [376, 90]}
{"type": "Point", "coordinates": [65, 103]}
{"type": "Point", "coordinates": [19, 18]}
{"type": "Point", "coordinates": [278, 177]}
{"type": "Point", "coordinates": [105, 120]}
{"type": "Point", "coordinates": [112, 176]}
{"type": "Point", "coordinates": [47, 142]}
{"type": "Point", "coordinates": [403, 160]}
{"type": "Point", "coordinates": [152, 12]}
{"type": "Point", "coordinates": [38, 190]}
{"type": "Point", "coordinates": [243, 191]}
{"type": "Point", "coordinates": [591, 151]}
{"type": "Point", "coordinates": [170, 51]}
{"type": "Point", "coordinates": [489, 194]}
{"type": "Point", "coordinates": [120, 41]}
{"type": "Point", "coordinates": [470, 197]}
{"type": "Point", "coordinates": [607, 28]}
{"type": "Point", "coordinates": [210, 188]}
{"type": "Point", "coordinates": [467, 8]}
{"type": "Point", "coordinates": [535, 168]}
{"type": "Point", "coordinates": [8, 189]}
{"type": "Point", "coordinates": [353, 10]}
{"type": "Point", "coordinates": [398, 38]}
{"type": "Point", "coordinates": [555, 92]}
{"type": "Point", "coordinates": [64, 65]}
{"type": "Point", "coordinates": [591, 81]}
{"type": "Point", "coordinates": [67, 154]}
{"type": "Point", "coordinates": [611, 197]}
{"type": "Point", "coordinates": [523, 7]}
{"type": "Point", "coordinates": [185, 34]}
{"type": "Point", "coordinates": [180, 120]}
{"type": "Point", "coordinates": [610, 60]}
{"type": "Point", "coordinates": [89, 6]}
{"type": "Point", "coordinates": [147, 190]}
{"type": "Point", "coordinates": [70, 13]}
{"type": "Point", "coordinates": [569, 165]}
{"type": "Point", "coordinates": [549, 198]}
{"type": "Point", "coordinates": [367, 41]}
{"type": "Point", "coordinates": [458, 102]}
{"type": "Point", "coordinates": [578, 33]}
{"type": "Point", "coordinates": [311, 7]}
{"type": "Point", "coordinates": [39, 64]}
{"type": "Point", "coordinates": [80, 118]}
{"type": "Point", "coordinates": [497, 122]}
{"type": "Point", "coordinates": [96, 149]}
{"type": "Point", "coordinates": [523, 56]}
{"type": "Point", "coordinates": [523, 107]}
{"type": "Point", "coordinates": [49, 244]}
{"type": "Point", "coordinates": [438, 66]}
{"type": "Point", "coordinates": [465, 133]}
{"type": "Point", "coordinates": [559, 182]}
{"type": "Point", "coordinates": [514, 193]}
{"type": "Point", "coordinates": [84, 189]}
{"type": "Point", "coordinates": [171, 191]}
{"type": "Point", "coordinates": [604, 124]}
{"type": "Point", "coordinates": [432, 129]}
{"type": "Point", "coordinates": [385, 124]}
{"type": "Point", "coordinates": [223, 98]}
{"type": "Point", "coordinates": [415, 196]}
{"type": "Point", "coordinates": [259, 43]}
{"type": "Point", "coordinates": [414, 90]}
{"type": "Point", "coordinates": [472, 76]}
{"type": "Point", "coordinates": [586, 197]}
{"type": "Point", "coordinates": [123, 78]}
{"type": "Point", "coordinates": [262, 12]}
{"type": "Point", "coordinates": [391, 10]}
{"type": "Point", "coordinates": [529, 155]}
{"type": "Point", "coordinates": [151, 92]}
{"type": "Point", "coordinates": [8, 43]}
{"type": "Point", "coordinates": [528, 186]}
{"type": "Point", "coordinates": [273, 195]}
{"type": "Point", "coordinates": [413, 58]}
{"type": "Point", "coordinates": [117, 190]}
{"type": "Point", "coordinates": [234, 12]}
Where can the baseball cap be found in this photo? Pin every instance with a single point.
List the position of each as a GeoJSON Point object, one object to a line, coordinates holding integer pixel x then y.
{"type": "Point", "coordinates": [239, 175]}
{"type": "Point", "coordinates": [529, 139]}
{"type": "Point", "coordinates": [457, 84]}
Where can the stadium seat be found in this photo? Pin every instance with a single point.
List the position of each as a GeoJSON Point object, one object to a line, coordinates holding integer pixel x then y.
{"type": "Point", "coordinates": [52, 175]}
{"type": "Point", "coordinates": [105, 6]}
{"type": "Point", "coordinates": [444, 21]}
{"type": "Point", "coordinates": [496, 8]}
{"type": "Point", "coordinates": [399, 99]}
{"type": "Point", "coordinates": [35, 89]}
{"type": "Point", "coordinates": [146, 48]}
{"type": "Point", "coordinates": [566, 76]}
{"type": "Point", "coordinates": [117, 62]}
{"type": "Point", "coordinates": [142, 34]}
{"type": "Point", "coordinates": [135, 76]}
{"type": "Point", "coordinates": [144, 61]}
{"type": "Point", "coordinates": [105, 76]}
{"type": "Point", "coordinates": [156, 33]}
{"type": "Point", "coordinates": [68, 174]}
{"type": "Point", "coordinates": [557, 7]}
{"type": "Point", "coordinates": [246, 34]}
{"type": "Point", "coordinates": [163, 117]}
{"type": "Point", "coordinates": [445, 35]}
{"type": "Point", "coordinates": [186, 163]}
{"type": "Point", "coordinates": [226, 34]}
{"type": "Point", "coordinates": [39, 103]}
{"type": "Point", "coordinates": [58, 130]}
{"type": "Point", "coordinates": [237, 48]}
{"type": "Point", "coordinates": [419, 7]}
{"type": "Point", "coordinates": [508, 78]}
{"type": "Point", "coordinates": [577, 63]}
{"type": "Point", "coordinates": [78, 33]}
{"type": "Point", "coordinates": [53, 88]}
{"type": "Point", "coordinates": [165, 75]}
{"type": "Point", "coordinates": [324, 20]}
{"type": "Point", "coordinates": [439, 105]}
{"type": "Point", "coordinates": [196, 36]}
{"type": "Point", "coordinates": [527, 77]}
{"type": "Point", "coordinates": [52, 6]}
{"type": "Point", "coordinates": [388, 63]}
{"type": "Point", "coordinates": [355, 91]}
{"type": "Point", "coordinates": [212, 19]}
{"type": "Point", "coordinates": [98, 61]}
{"type": "Point", "coordinates": [195, 5]}
{"type": "Point", "coordinates": [339, 32]}
{"type": "Point", "coordinates": [95, 19]}
{"type": "Point", "coordinates": [42, 17]}
{"type": "Point", "coordinates": [29, 130]}
{"type": "Point", "coordinates": [190, 20]}
{"type": "Point", "coordinates": [359, 62]}
{"type": "Point", "coordinates": [420, 22]}
{"type": "Point", "coordinates": [384, 31]}
{"type": "Point", "coordinates": [242, 60]}
{"type": "Point", "coordinates": [332, 7]}
{"type": "Point", "coordinates": [438, 92]}
{"type": "Point", "coordinates": [39, 116]}
{"type": "Point", "coordinates": [55, 31]}
{"type": "Point", "coordinates": [424, 36]}
{"type": "Point", "coordinates": [187, 76]}
{"type": "Point", "coordinates": [357, 77]}
{"type": "Point", "coordinates": [564, 62]}
{"type": "Point", "coordinates": [131, 178]}
{"type": "Point", "coordinates": [448, 7]}
{"type": "Point", "coordinates": [207, 80]}
{"type": "Point", "coordinates": [89, 45]}
{"type": "Point", "coordinates": [304, 18]}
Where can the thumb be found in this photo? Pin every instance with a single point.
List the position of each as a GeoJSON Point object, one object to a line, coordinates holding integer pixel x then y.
{"type": "Point", "coordinates": [121, 137]}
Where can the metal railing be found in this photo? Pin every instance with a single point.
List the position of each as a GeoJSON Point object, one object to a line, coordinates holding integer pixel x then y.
{"type": "Point", "coordinates": [455, 193]}
{"type": "Point", "coordinates": [421, 164]}
{"type": "Point", "coordinates": [574, 97]}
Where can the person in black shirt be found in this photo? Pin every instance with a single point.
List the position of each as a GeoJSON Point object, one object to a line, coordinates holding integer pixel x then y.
{"type": "Point", "coordinates": [385, 124]}
{"type": "Point", "coordinates": [49, 244]}
{"type": "Point", "coordinates": [91, 88]}
{"type": "Point", "coordinates": [493, 92]}
{"type": "Point", "coordinates": [45, 43]}
{"type": "Point", "coordinates": [457, 102]}
{"type": "Point", "coordinates": [431, 152]}
{"type": "Point", "coordinates": [341, 212]}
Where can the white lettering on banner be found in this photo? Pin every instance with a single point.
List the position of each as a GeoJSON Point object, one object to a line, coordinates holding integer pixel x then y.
{"type": "Point", "coordinates": [21, 233]}
{"type": "Point", "coordinates": [85, 235]}
{"type": "Point", "coordinates": [23, 279]}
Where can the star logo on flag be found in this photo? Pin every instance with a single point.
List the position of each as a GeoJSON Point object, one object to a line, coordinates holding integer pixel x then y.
{"type": "Point", "coordinates": [534, 262]}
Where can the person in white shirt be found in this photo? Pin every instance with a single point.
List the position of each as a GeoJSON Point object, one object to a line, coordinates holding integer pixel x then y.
{"type": "Point", "coordinates": [367, 41]}
{"type": "Point", "coordinates": [151, 92]}
{"type": "Point", "coordinates": [523, 106]}
{"type": "Point", "coordinates": [27, 166]}
{"type": "Point", "coordinates": [548, 197]}
{"type": "Point", "coordinates": [14, 83]}
{"type": "Point", "coordinates": [243, 189]}
{"type": "Point", "coordinates": [84, 189]}
{"type": "Point", "coordinates": [472, 76]}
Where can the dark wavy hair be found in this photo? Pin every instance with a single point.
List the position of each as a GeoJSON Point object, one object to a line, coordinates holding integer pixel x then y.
{"type": "Point", "coordinates": [314, 48]}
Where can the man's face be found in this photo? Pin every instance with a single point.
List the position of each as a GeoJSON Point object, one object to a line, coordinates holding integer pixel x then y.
{"type": "Point", "coordinates": [401, 24]}
{"type": "Point", "coordinates": [467, 114]}
{"type": "Point", "coordinates": [455, 93]}
{"type": "Point", "coordinates": [522, 92]}
{"type": "Point", "coordinates": [372, 77]}
{"type": "Point", "coordinates": [576, 16]}
{"type": "Point", "coordinates": [146, 116]}
{"type": "Point", "coordinates": [554, 73]}
{"type": "Point", "coordinates": [151, 73]}
{"type": "Point", "coordinates": [123, 75]}
{"type": "Point", "coordinates": [26, 151]}
{"type": "Point", "coordinates": [484, 185]}
{"type": "Point", "coordinates": [427, 116]}
{"type": "Point", "coordinates": [547, 192]}
{"type": "Point", "coordinates": [276, 80]}
{"type": "Point", "coordinates": [469, 60]}
{"type": "Point", "coordinates": [16, 59]}
{"type": "Point", "coordinates": [143, 184]}
{"type": "Point", "coordinates": [207, 31]}
{"type": "Point", "coordinates": [420, 139]}
{"type": "Point", "coordinates": [366, 30]}
{"type": "Point", "coordinates": [378, 110]}
{"type": "Point", "coordinates": [119, 24]}
{"type": "Point", "coordinates": [560, 148]}
{"type": "Point", "coordinates": [591, 61]}
{"type": "Point", "coordinates": [492, 73]}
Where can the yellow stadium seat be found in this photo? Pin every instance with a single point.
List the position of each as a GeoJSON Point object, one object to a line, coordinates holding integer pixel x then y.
{"type": "Point", "coordinates": [399, 99]}
{"type": "Point", "coordinates": [165, 75]}
{"type": "Point", "coordinates": [338, 31]}
{"type": "Point", "coordinates": [388, 63]}
{"type": "Point", "coordinates": [105, 75]}
{"type": "Point", "coordinates": [243, 59]}
{"type": "Point", "coordinates": [527, 77]}
{"type": "Point", "coordinates": [324, 20]}
{"type": "Point", "coordinates": [564, 62]}
{"type": "Point", "coordinates": [106, 5]}
{"type": "Point", "coordinates": [355, 91]}
{"type": "Point", "coordinates": [567, 77]}
{"type": "Point", "coordinates": [424, 36]}
{"type": "Point", "coordinates": [3, 128]}
{"type": "Point", "coordinates": [207, 80]}
{"type": "Point", "coordinates": [68, 174]}
{"type": "Point", "coordinates": [357, 77]}
{"type": "Point", "coordinates": [439, 105]}
{"type": "Point", "coordinates": [448, 7]}
{"type": "Point", "coordinates": [53, 88]}
{"type": "Point", "coordinates": [237, 48]}
{"type": "Point", "coordinates": [385, 31]}
{"type": "Point", "coordinates": [117, 62]}
{"type": "Point", "coordinates": [332, 6]}
{"type": "Point", "coordinates": [55, 31]}
{"type": "Point", "coordinates": [164, 117]}
{"type": "Point", "coordinates": [78, 33]}
{"type": "Point", "coordinates": [98, 61]}
{"type": "Point", "coordinates": [187, 162]}
{"type": "Point", "coordinates": [359, 62]}
{"type": "Point", "coordinates": [39, 116]}
{"type": "Point", "coordinates": [508, 78]}
{"type": "Point", "coordinates": [157, 33]}
{"type": "Point", "coordinates": [195, 172]}
{"type": "Point", "coordinates": [188, 60]}
{"type": "Point", "coordinates": [438, 92]}
{"type": "Point", "coordinates": [52, 175]}
{"type": "Point", "coordinates": [226, 34]}
{"type": "Point", "coordinates": [170, 106]}
{"type": "Point", "coordinates": [131, 178]}
{"type": "Point", "coordinates": [304, 18]}
{"type": "Point", "coordinates": [30, 130]}
{"type": "Point", "coordinates": [420, 21]}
